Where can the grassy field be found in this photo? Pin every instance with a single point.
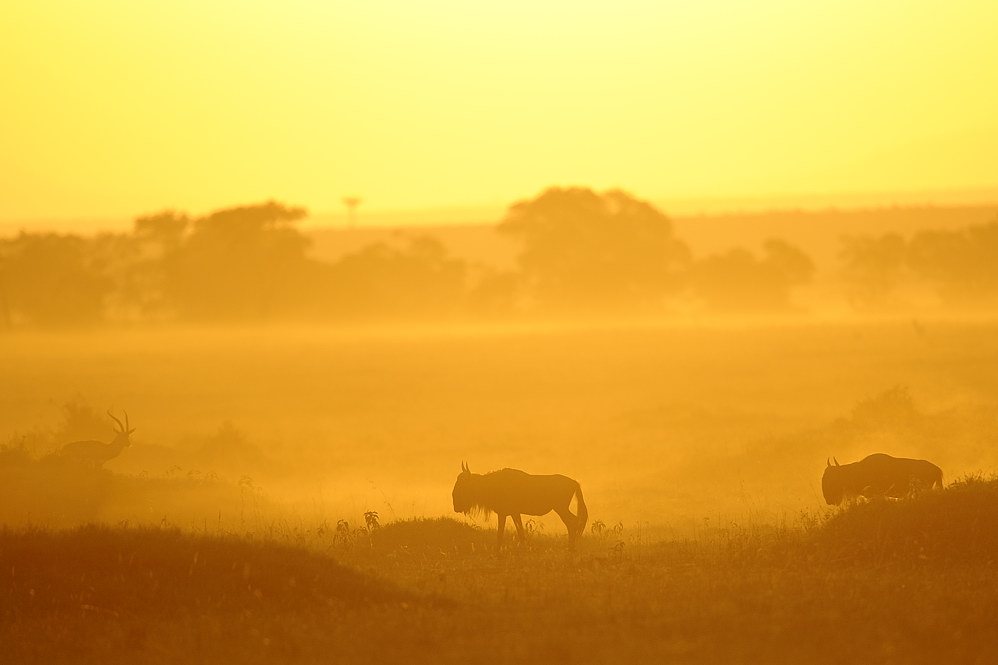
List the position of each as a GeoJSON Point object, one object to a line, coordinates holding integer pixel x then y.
{"type": "Point", "coordinates": [883, 582]}
{"type": "Point", "coordinates": [233, 529]}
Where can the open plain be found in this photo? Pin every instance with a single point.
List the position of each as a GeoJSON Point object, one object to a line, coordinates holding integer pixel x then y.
{"type": "Point", "coordinates": [286, 497]}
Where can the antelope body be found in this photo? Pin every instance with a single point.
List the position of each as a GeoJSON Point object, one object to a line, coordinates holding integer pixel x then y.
{"type": "Point", "coordinates": [95, 453]}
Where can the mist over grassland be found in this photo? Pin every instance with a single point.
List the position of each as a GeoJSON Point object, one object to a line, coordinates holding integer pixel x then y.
{"type": "Point", "coordinates": [675, 378]}
{"type": "Point", "coordinates": [663, 426]}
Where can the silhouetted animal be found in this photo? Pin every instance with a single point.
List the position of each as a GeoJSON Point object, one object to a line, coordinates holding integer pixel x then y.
{"type": "Point", "coordinates": [95, 453]}
{"type": "Point", "coordinates": [878, 475]}
{"type": "Point", "coordinates": [511, 493]}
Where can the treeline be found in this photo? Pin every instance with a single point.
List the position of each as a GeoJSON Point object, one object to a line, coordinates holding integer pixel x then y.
{"type": "Point", "coordinates": [959, 266]}
{"type": "Point", "coordinates": [246, 263]}
{"type": "Point", "coordinates": [580, 253]}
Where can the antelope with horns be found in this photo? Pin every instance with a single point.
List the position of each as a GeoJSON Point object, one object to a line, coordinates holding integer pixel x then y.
{"type": "Point", "coordinates": [95, 453]}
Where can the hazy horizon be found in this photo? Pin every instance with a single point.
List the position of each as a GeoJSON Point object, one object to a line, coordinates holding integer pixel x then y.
{"type": "Point", "coordinates": [485, 214]}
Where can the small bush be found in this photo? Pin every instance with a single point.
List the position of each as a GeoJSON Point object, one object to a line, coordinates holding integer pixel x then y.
{"type": "Point", "coordinates": [441, 535]}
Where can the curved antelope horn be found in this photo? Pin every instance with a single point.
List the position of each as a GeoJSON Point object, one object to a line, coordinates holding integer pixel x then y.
{"type": "Point", "coordinates": [828, 462]}
{"type": "Point", "coordinates": [127, 429]}
{"type": "Point", "coordinates": [121, 427]}
{"type": "Point", "coordinates": [464, 467]}
{"type": "Point", "coordinates": [836, 461]}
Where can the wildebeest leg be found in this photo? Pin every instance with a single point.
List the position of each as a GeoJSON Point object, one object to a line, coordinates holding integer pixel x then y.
{"type": "Point", "coordinates": [570, 520]}
{"type": "Point", "coordinates": [519, 526]}
{"type": "Point", "coordinates": [502, 527]}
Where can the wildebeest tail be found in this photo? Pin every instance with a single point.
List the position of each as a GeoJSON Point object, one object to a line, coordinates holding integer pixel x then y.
{"type": "Point", "coordinates": [583, 515]}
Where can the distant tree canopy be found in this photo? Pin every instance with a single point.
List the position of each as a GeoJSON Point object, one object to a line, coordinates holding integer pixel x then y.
{"type": "Point", "coordinates": [245, 263]}
{"type": "Point", "coordinates": [963, 264]}
{"type": "Point", "coordinates": [52, 280]}
{"type": "Point", "coordinates": [583, 249]}
{"type": "Point", "coordinates": [164, 231]}
{"type": "Point", "coordinates": [580, 252]}
{"type": "Point", "coordinates": [739, 281]}
{"type": "Point", "coordinates": [873, 267]}
{"type": "Point", "coordinates": [960, 265]}
{"type": "Point", "coordinates": [242, 262]}
{"type": "Point", "coordinates": [383, 280]}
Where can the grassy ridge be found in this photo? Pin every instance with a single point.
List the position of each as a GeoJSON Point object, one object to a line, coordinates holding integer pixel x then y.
{"type": "Point", "coordinates": [955, 527]}
{"type": "Point", "coordinates": [95, 593]}
{"type": "Point", "coordinates": [121, 570]}
{"type": "Point", "coordinates": [885, 582]}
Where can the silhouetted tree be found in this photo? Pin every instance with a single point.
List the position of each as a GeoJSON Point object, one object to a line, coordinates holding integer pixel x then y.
{"type": "Point", "coordinates": [163, 232]}
{"type": "Point", "coordinates": [586, 250]}
{"type": "Point", "coordinates": [241, 262]}
{"type": "Point", "coordinates": [53, 279]}
{"type": "Point", "coordinates": [874, 266]}
{"type": "Point", "coordinates": [739, 281]}
{"type": "Point", "coordinates": [6, 318]}
{"type": "Point", "coordinates": [158, 243]}
{"type": "Point", "coordinates": [962, 264]}
{"type": "Point", "coordinates": [494, 293]}
{"type": "Point", "coordinates": [387, 281]}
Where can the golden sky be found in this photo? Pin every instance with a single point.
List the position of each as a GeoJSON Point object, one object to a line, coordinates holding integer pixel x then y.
{"type": "Point", "coordinates": [115, 108]}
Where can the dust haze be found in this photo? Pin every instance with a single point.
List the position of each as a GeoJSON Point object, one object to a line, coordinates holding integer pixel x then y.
{"type": "Point", "coordinates": [224, 438]}
{"type": "Point", "coordinates": [680, 382]}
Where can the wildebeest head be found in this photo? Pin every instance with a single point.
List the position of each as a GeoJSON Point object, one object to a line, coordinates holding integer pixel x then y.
{"type": "Point", "coordinates": [463, 501]}
{"type": "Point", "coordinates": [832, 483]}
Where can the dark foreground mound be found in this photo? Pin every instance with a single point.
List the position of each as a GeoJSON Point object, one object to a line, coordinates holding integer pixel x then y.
{"type": "Point", "coordinates": [145, 572]}
{"type": "Point", "coordinates": [953, 526]}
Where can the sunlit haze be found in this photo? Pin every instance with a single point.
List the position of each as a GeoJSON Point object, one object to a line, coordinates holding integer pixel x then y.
{"type": "Point", "coordinates": [115, 109]}
{"type": "Point", "coordinates": [482, 332]}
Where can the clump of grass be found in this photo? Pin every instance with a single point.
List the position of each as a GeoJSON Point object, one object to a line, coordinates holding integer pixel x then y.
{"type": "Point", "coordinates": [15, 453]}
{"type": "Point", "coordinates": [430, 536]}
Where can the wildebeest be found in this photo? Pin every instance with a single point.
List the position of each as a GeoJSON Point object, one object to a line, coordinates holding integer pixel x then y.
{"type": "Point", "coordinates": [511, 493]}
{"type": "Point", "coordinates": [878, 475]}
